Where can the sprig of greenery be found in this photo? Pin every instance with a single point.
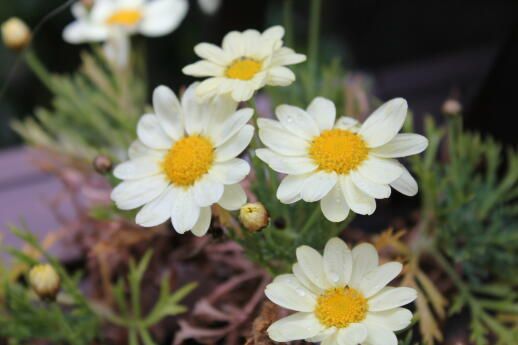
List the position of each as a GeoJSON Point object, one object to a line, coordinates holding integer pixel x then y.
{"type": "Point", "coordinates": [130, 310]}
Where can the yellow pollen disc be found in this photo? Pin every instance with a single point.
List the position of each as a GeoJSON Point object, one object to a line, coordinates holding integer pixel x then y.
{"type": "Point", "coordinates": [188, 160]}
{"type": "Point", "coordinates": [125, 17]}
{"type": "Point", "coordinates": [340, 307]}
{"type": "Point", "coordinates": [338, 150]}
{"type": "Point", "coordinates": [243, 69]}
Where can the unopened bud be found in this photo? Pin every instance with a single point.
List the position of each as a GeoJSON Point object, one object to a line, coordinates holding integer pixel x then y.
{"type": "Point", "coordinates": [451, 107]}
{"type": "Point", "coordinates": [254, 216]}
{"type": "Point", "coordinates": [88, 4]}
{"type": "Point", "coordinates": [45, 281]}
{"type": "Point", "coordinates": [16, 34]}
{"type": "Point", "coordinates": [102, 164]}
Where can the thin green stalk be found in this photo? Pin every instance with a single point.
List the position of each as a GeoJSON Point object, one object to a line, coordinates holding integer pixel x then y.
{"type": "Point", "coordinates": [38, 69]}
{"type": "Point", "coordinates": [312, 219]}
{"type": "Point", "coordinates": [314, 33]}
{"type": "Point", "coordinates": [288, 21]}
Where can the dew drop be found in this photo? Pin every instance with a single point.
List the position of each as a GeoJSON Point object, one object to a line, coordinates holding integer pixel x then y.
{"type": "Point", "coordinates": [334, 277]}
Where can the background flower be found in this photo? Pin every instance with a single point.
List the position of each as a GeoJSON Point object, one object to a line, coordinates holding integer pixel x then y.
{"type": "Point", "coordinates": [246, 62]}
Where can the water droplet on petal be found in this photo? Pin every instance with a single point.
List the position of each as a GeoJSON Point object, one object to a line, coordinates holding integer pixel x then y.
{"type": "Point", "coordinates": [334, 277]}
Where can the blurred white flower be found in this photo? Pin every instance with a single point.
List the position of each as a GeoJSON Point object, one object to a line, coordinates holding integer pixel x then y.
{"type": "Point", "coordinates": [340, 298]}
{"type": "Point", "coordinates": [209, 6]}
{"type": "Point", "coordinates": [247, 61]}
{"type": "Point", "coordinates": [114, 20]}
{"type": "Point", "coordinates": [184, 161]}
{"type": "Point", "coordinates": [343, 164]}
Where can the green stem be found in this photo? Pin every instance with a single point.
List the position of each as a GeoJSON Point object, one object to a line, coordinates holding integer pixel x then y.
{"type": "Point", "coordinates": [314, 33]}
{"type": "Point", "coordinates": [288, 21]}
{"type": "Point", "coordinates": [38, 69]}
{"type": "Point", "coordinates": [312, 219]}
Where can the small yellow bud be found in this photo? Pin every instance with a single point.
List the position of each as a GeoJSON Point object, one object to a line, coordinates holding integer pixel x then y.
{"type": "Point", "coordinates": [45, 281]}
{"type": "Point", "coordinates": [88, 4]}
{"type": "Point", "coordinates": [16, 34]}
{"type": "Point", "coordinates": [254, 216]}
{"type": "Point", "coordinates": [451, 107]}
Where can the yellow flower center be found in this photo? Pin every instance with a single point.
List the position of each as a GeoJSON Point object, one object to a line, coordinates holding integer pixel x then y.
{"type": "Point", "coordinates": [125, 17]}
{"type": "Point", "coordinates": [243, 69]}
{"type": "Point", "coordinates": [340, 307]}
{"type": "Point", "coordinates": [188, 160]}
{"type": "Point", "coordinates": [338, 150]}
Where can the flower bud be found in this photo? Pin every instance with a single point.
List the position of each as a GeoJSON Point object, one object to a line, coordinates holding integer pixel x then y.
{"type": "Point", "coordinates": [102, 164]}
{"type": "Point", "coordinates": [45, 281]}
{"type": "Point", "coordinates": [451, 107]}
{"type": "Point", "coordinates": [254, 216]}
{"type": "Point", "coordinates": [16, 34]}
{"type": "Point", "coordinates": [88, 4]}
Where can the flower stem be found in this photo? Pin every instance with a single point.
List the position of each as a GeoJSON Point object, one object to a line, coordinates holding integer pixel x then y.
{"type": "Point", "coordinates": [312, 219]}
{"type": "Point", "coordinates": [314, 33]}
{"type": "Point", "coordinates": [288, 21]}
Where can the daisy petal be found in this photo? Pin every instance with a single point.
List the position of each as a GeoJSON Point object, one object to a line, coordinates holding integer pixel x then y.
{"type": "Point", "coordinates": [168, 111]}
{"type": "Point", "coordinates": [348, 123]}
{"type": "Point", "coordinates": [212, 53]}
{"type": "Point", "coordinates": [195, 112]}
{"type": "Point", "coordinates": [207, 191]}
{"type": "Point", "coordinates": [394, 319]}
{"type": "Point", "coordinates": [295, 327]}
{"type": "Point", "coordinates": [150, 132]}
{"type": "Point", "coordinates": [373, 189]}
{"type": "Point", "coordinates": [230, 172]}
{"type": "Point", "coordinates": [357, 200]}
{"type": "Point", "coordinates": [231, 126]}
{"type": "Point", "coordinates": [203, 68]}
{"type": "Point", "coordinates": [138, 149]}
{"type": "Point", "coordinates": [233, 43]}
{"type": "Point", "coordinates": [284, 164]}
{"type": "Point", "coordinates": [353, 334]}
{"type": "Point", "coordinates": [379, 335]}
{"type": "Point", "coordinates": [338, 262]}
{"type": "Point", "coordinates": [290, 188]}
{"type": "Point", "coordinates": [379, 277]}
{"type": "Point", "coordinates": [380, 170]}
{"type": "Point", "coordinates": [297, 121]}
{"type": "Point", "coordinates": [162, 16]}
{"type": "Point", "coordinates": [365, 259]}
{"type": "Point", "coordinates": [390, 298]}
{"type": "Point", "coordinates": [312, 264]}
{"type": "Point", "coordinates": [326, 334]}
{"type": "Point", "coordinates": [383, 125]}
{"type": "Point", "coordinates": [233, 198]}
{"type": "Point", "coordinates": [235, 145]}
{"type": "Point", "coordinates": [185, 212]}
{"type": "Point", "coordinates": [157, 211]}
{"type": "Point", "coordinates": [135, 193]}
{"type": "Point", "coordinates": [278, 139]}
{"type": "Point", "coordinates": [324, 113]}
{"type": "Point", "coordinates": [405, 184]}
{"type": "Point", "coordinates": [403, 145]}
{"type": "Point", "coordinates": [202, 225]}
{"type": "Point", "coordinates": [280, 76]}
{"type": "Point", "coordinates": [138, 168]}
{"type": "Point", "coordinates": [291, 296]}
{"type": "Point", "coordinates": [304, 280]}
{"type": "Point", "coordinates": [334, 206]}
{"type": "Point", "coordinates": [318, 186]}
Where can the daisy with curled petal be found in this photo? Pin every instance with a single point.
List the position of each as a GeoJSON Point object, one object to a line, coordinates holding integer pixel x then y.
{"type": "Point", "coordinates": [342, 164]}
{"type": "Point", "coordinates": [340, 298]}
{"type": "Point", "coordinates": [112, 21]}
{"type": "Point", "coordinates": [184, 161]}
{"type": "Point", "coordinates": [246, 62]}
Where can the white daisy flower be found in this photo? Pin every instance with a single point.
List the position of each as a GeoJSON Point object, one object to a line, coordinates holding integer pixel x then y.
{"type": "Point", "coordinates": [342, 164]}
{"type": "Point", "coordinates": [112, 21]}
{"type": "Point", "coordinates": [247, 61]}
{"type": "Point", "coordinates": [340, 298]}
{"type": "Point", "coordinates": [184, 161]}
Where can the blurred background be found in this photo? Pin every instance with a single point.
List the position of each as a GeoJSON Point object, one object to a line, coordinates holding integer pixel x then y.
{"type": "Point", "coordinates": [424, 51]}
